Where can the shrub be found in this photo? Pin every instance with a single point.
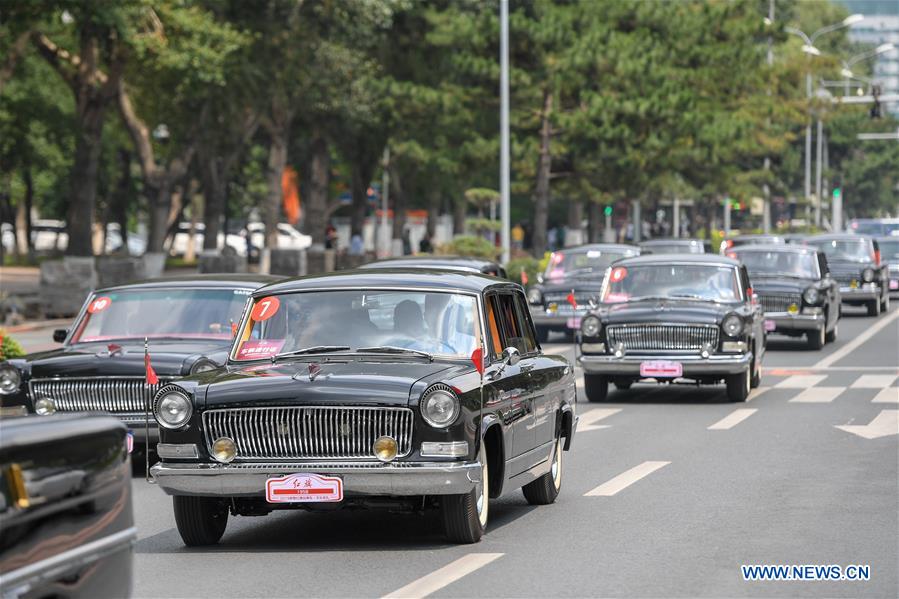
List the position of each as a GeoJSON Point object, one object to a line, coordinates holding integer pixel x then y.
{"type": "Point", "coordinates": [9, 347]}
{"type": "Point", "coordinates": [470, 245]}
{"type": "Point", "coordinates": [531, 266]}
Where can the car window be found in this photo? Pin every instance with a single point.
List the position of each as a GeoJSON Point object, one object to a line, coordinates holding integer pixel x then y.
{"type": "Point", "coordinates": [527, 329]}
{"type": "Point", "coordinates": [496, 342]}
{"type": "Point", "coordinates": [708, 282]}
{"type": "Point", "coordinates": [774, 262]}
{"type": "Point", "coordinates": [511, 331]}
{"type": "Point", "coordinates": [567, 263]}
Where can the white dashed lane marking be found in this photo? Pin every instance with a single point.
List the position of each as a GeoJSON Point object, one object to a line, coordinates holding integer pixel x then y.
{"type": "Point", "coordinates": [818, 395]}
{"type": "Point", "coordinates": [888, 395]}
{"type": "Point", "coordinates": [625, 479]}
{"type": "Point", "coordinates": [733, 419]}
{"type": "Point", "coordinates": [589, 417]}
{"type": "Point", "coordinates": [801, 381]}
{"type": "Point", "coordinates": [445, 576]}
{"type": "Point", "coordinates": [873, 381]}
{"type": "Point", "coordinates": [756, 392]}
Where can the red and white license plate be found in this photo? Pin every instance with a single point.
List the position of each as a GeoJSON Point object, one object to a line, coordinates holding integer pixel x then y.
{"type": "Point", "coordinates": [770, 325]}
{"type": "Point", "coordinates": [661, 369]}
{"type": "Point", "coordinates": [894, 284]}
{"type": "Point", "coordinates": [574, 322]}
{"type": "Point", "coordinates": [303, 488]}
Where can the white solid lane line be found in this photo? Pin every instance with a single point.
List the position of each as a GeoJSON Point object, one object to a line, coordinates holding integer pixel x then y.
{"type": "Point", "coordinates": [590, 417]}
{"type": "Point", "coordinates": [446, 575]}
{"type": "Point", "coordinates": [873, 381]}
{"type": "Point", "coordinates": [625, 479]}
{"type": "Point", "coordinates": [756, 392]}
{"type": "Point", "coordinates": [801, 381]}
{"type": "Point", "coordinates": [888, 395]}
{"type": "Point", "coordinates": [733, 419]}
{"type": "Point", "coordinates": [818, 395]}
{"type": "Point", "coordinates": [856, 342]}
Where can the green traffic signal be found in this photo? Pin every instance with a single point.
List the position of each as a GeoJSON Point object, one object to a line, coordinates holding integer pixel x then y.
{"type": "Point", "coordinates": [836, 193]}
{"type": "Point", "coordinates": [607, 211]}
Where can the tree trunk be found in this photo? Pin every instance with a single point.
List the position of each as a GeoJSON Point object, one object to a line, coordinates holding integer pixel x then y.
{"type": "Point", "coordinates": [214, 201]}
{"type": "Point", "coordinates": [544, 167]}
{"type": "Point", "coordinates": [433, 212]}
{"type": "Point", "coordinates": [595, 216]}
{"type": "Point", "coordinates": [277, 160]}
{"type": "Point", "coordinates": [460, 209]}
{"type": "Point", "coordinates": [23, 241]}
{"type": "Point", "coordinates": [119, 208]}
{"type": "Point", "coordinates": [359, 189]}
{"type": "Point", "coordinates": [317, 199]}
{"type": "Point", "coordinates": [29, 202]}
{"type": "Point", "coordinates": [83, 178]}
{"type": "Point", "coordinates": [397, 193]}
{"type": "Point", "coordinates": [159, 217]}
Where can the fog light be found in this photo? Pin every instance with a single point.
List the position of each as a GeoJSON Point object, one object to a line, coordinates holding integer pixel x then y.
{"type": "Point", "coordinates": [552, 308]}
{"type": "Point", "coordinates": [45, 406]}
{"type": "Point", "coordinates": [449, 449]}
{"type": "Point", "coordinates": [793, 309]}
{"type": "Point", "coordinates": [706, 351]}
{"type": "Point", "coordinates": [593, 348]}
{"type": "Point", "coordinates": [619, 350]}
{"type": "Point", "coordinates": [385, 448]}
{"type": "Point", "coordinates": [224, 450]}
{"type": "Point", "coordinates": [733, 346]}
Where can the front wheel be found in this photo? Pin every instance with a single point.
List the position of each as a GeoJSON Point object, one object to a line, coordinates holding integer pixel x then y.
{"type": "Point", "coordinates": [545, 489]}
{"type": "Point", "coordinates": [816, 338]}
{"type": "Point", "coordinates": [542, 334]}
{"type": "Point", "coordinates": [885, 304]}
{"type": "Point", "coordinates": [200, 520]}
{"type": "Point", "coordinates": [465, 516]}
{"type": "Point", "coordinates": [756, 379]}
{"type": "Point", "coordinates": [738, 386]}
{"type": "Point", "coordinates": [596, 387]}
{"type": "Point", "coordinates": [874, 308]}
{"type": "Point", "coordinates": [832, 335]}
{"type": "Point", "coordinates": [623, 385]}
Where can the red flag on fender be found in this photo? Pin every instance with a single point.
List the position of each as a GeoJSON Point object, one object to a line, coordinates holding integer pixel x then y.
{"type": "Point", "coordinates": [477, 358]}
{"type": "Point", "coordinates": [571, 300]}
{"type": "Point", "coordinates": [150, 374]}
{"type": "Point", "coordinates": [524, 277]}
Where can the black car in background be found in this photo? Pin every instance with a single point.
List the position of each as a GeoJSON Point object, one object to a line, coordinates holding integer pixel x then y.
{"type": "Point", "coordinates": [794, 286]}
{"type": "Point", "coordinates": [400, 389]}
{"type": "Point", "coordinates": [753, 239]}
{"type": "Point", "coordinates": [66, 522]}
{"type": "Point", "coordinates": [674, 317]}
{"type": "Point", "coordinates": [572, 280]}
{"type": "Point", "coordinates": [855, 263]}
{"type": "Point", "coordinates": [460, 263]}
{"type": "Point", "coordinates": [100, 366]}
{"type": "Point", "coordinates": [889, 255]}
{"type": "Point", "coordinates": [673, 246]}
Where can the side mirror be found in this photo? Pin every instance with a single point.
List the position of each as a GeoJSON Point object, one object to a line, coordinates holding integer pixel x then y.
{"type": "Point", "coordinates": [59, 335]}
{"type": "Point", "coordinates": [511, 356]}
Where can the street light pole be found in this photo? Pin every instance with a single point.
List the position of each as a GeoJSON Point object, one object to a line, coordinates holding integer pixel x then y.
{"type": "Point", "coordinates": [808, 139]}
{"type": "Point", "coordinates": [818, 158]}
{"type": "Point", "coordinates": [766, 189]}
{"type": "Point", "coordinates": [505, 215]}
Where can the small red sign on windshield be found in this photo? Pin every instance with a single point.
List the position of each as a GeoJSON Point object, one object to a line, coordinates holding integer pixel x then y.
{"type": "Point", "coordinates": [618, 274]}
{"type": "Point", "coordinates": [99, 304]}
{"type": "Point", "coordinates": [265, 308]}
{"type": "Point", "coordinates": [259, 348]}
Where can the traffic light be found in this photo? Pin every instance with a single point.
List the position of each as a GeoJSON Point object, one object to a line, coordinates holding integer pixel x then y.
{"type": "Point", "coordinates": [836, 193]}
{"type": "Point", "coordinates": [607, 211]}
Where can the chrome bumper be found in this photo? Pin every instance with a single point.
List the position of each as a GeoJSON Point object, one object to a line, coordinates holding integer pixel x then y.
{"type": "Point", "coordinates": [554, 321]}
{"type": "Point", "coordinates": [693, 365]}
{"type": "Point", "coordinates": [859, 294]}
{"type": "Point", "coordinates": [784, 321]}
{"type": "Point", "coordinates": [248, 480]}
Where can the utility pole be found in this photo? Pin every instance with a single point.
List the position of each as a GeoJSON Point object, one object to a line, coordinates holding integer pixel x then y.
{"type": "Point", "coordinates": [808, 139]}
{"type": "Point", "coordinates": [727, 216]}
{"type": "Point", "coordinates": [505, 215]}
{"type": "Point", "coordinates": [384, 234]}
{"type": "Point", "coordinates": [819, 158]}
{"type": "Point", "coordinates": [766, 189]}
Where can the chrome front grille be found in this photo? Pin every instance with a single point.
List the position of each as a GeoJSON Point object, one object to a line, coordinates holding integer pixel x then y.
{"type": "Point", "coordinates": [662, 337]}
{"type": "Point", "coordinates": [118, 395]}
{"type": "Point", "coordinates": [309, 432]}
{"type": "Point", "coordinates": [779, 302]}
{"type": "Point", "coordinates": [581, 297]}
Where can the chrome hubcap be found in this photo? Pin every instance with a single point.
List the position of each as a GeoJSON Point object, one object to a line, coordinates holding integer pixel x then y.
{"type": "Point", "coordinates": [557, 465]}
{"type": "Point", "coordinates": [482, 490]}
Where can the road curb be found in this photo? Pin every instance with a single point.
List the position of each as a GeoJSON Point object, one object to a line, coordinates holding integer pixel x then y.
{"type": "Point", "coordinates": [31, 326]}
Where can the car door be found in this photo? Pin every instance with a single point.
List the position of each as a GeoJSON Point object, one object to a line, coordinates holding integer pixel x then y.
{"type": "Point", "coordinates": [541, 377]}
{"type": "Point", "coordinates": [507, 386]}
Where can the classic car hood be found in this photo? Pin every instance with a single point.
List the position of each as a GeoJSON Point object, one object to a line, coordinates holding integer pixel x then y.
{"type": "Point", "coordinates": [95, 359]}
{"type": "Point", "coordinates": [360, 381]}
{"type": "Point", "coordinates": [667, 310]}
{"type": "Point", "coordinates": [849, 266]}
{"type": "Point", "coordinates": [593, 283]}
{"type": "Point", "coordinates": [763, 284]}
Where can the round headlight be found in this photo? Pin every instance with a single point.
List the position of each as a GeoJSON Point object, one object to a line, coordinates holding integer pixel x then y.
{"type": "Point", "coordinates": [440, 407]}
{"type": "Point", "coordinates": [591, 326]}
{"type": "Point", "coordinates": [810, 296]}
{"type": "Point", "coordinates": [385, 448]}
{"type": "Point", "coordinates": [172, 408]}
{"type": "Point", "coordinates": [535, 296]}
{"type": "Point", "coordinates": [732, 325]}
{"type": "Point", "coordinates": [10, 379]}
{"type": "Point", "coordinates": [224, 450]}
{"type": "Point", "coordinates": [44, 406]}
{"type": "Point", "coordinates": [867, 275]}
{"type": "Point", "coordinates": [203, 365]}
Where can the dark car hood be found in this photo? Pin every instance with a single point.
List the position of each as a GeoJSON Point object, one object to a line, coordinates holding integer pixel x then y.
{"type": "Point", "coordinates": [591, 283]}
{"type": "Point", "coordinates": [353, 381]}
{"type": "Point", "coordinates": [849, 266]}
{"type": "Point", "coordinates": [667, 310]}
{"type": "Point", "coordinates": [774, 284]}
{"type": "Point", "coordinates": [169, 358]}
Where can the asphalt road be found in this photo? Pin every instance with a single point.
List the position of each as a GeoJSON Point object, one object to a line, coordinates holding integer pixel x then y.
{"type": "Point", "coordinates": [667, 492]}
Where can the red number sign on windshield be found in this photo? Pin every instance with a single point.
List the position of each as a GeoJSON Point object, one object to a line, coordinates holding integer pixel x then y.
{"type": "Point", "coordinates": [265, 308]}
{"type": "Point", "coordinates": [99, 304]}
{"type": "Point", "coordinates": [618, 274]}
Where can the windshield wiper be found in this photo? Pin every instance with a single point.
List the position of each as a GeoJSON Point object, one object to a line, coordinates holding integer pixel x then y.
{"type": "Point", "coordinates": [392, 349]}
{"type": "Point", "coordinates": [692, 296]}
{"type": "Point", "coordinates": [315, 349]}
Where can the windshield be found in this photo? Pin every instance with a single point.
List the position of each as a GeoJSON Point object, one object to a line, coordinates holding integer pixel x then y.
{"type": "Point", "coordinates": [437, 323]}
{"type": "Point", "coordinates": [790, 264]}
{"type": "Point", "coordinates": [155, 313]}
{"type": "Point", "coordinates": [840, 249]}
{"type": "Point", "coordinates": [564, 264]}
{"type": "Point", "coordinates": [693, 281]}
{"type": "Point", "coordinates": [889, 250]}
{"type": "Point", "coordinates": [675, 248]}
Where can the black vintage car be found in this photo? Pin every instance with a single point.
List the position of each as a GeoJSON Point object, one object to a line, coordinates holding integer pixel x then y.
{"type": "Point", "coordinates": [187, 320]}
{"type": "Point", "coordinates": [66, 523]}
{"type": "Point", "coordinates": [460, 263]}
{"type": "Point", "coordinates": [794, 286]}
{"type": "Point", "coordinates": [573, 278]}
{"type": "Point", "coordinates": [674, 317]}
{"type": "Point", "coordinates": [889, 255]}
{"type": "Point", "coordinates": [855, 263]}
{"type": "Point", "coordinates": [365, 389]}
{"type": "Point", "coordinates": [673, 246]}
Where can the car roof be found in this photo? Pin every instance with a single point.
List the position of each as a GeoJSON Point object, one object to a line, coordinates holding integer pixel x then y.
{"type": "Point", "coordinates": [713, 259]}
{"type": "Point", "coordinates": [413, 278]}
{"type": "Point", "coordinates": [212, 281]}
{"type": "Point", "coordinates": [838, 237]}
{"type": "Point", "coordinates": [670, 241]}
{"type": "Point", "coordinates": [775, 247]}
{"type": "Point", "coordinates": [757, 236]}
{"type": "Point", "coordinates": [436, 261]}
{"type": "Point", "coordinates": [592, 247]}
